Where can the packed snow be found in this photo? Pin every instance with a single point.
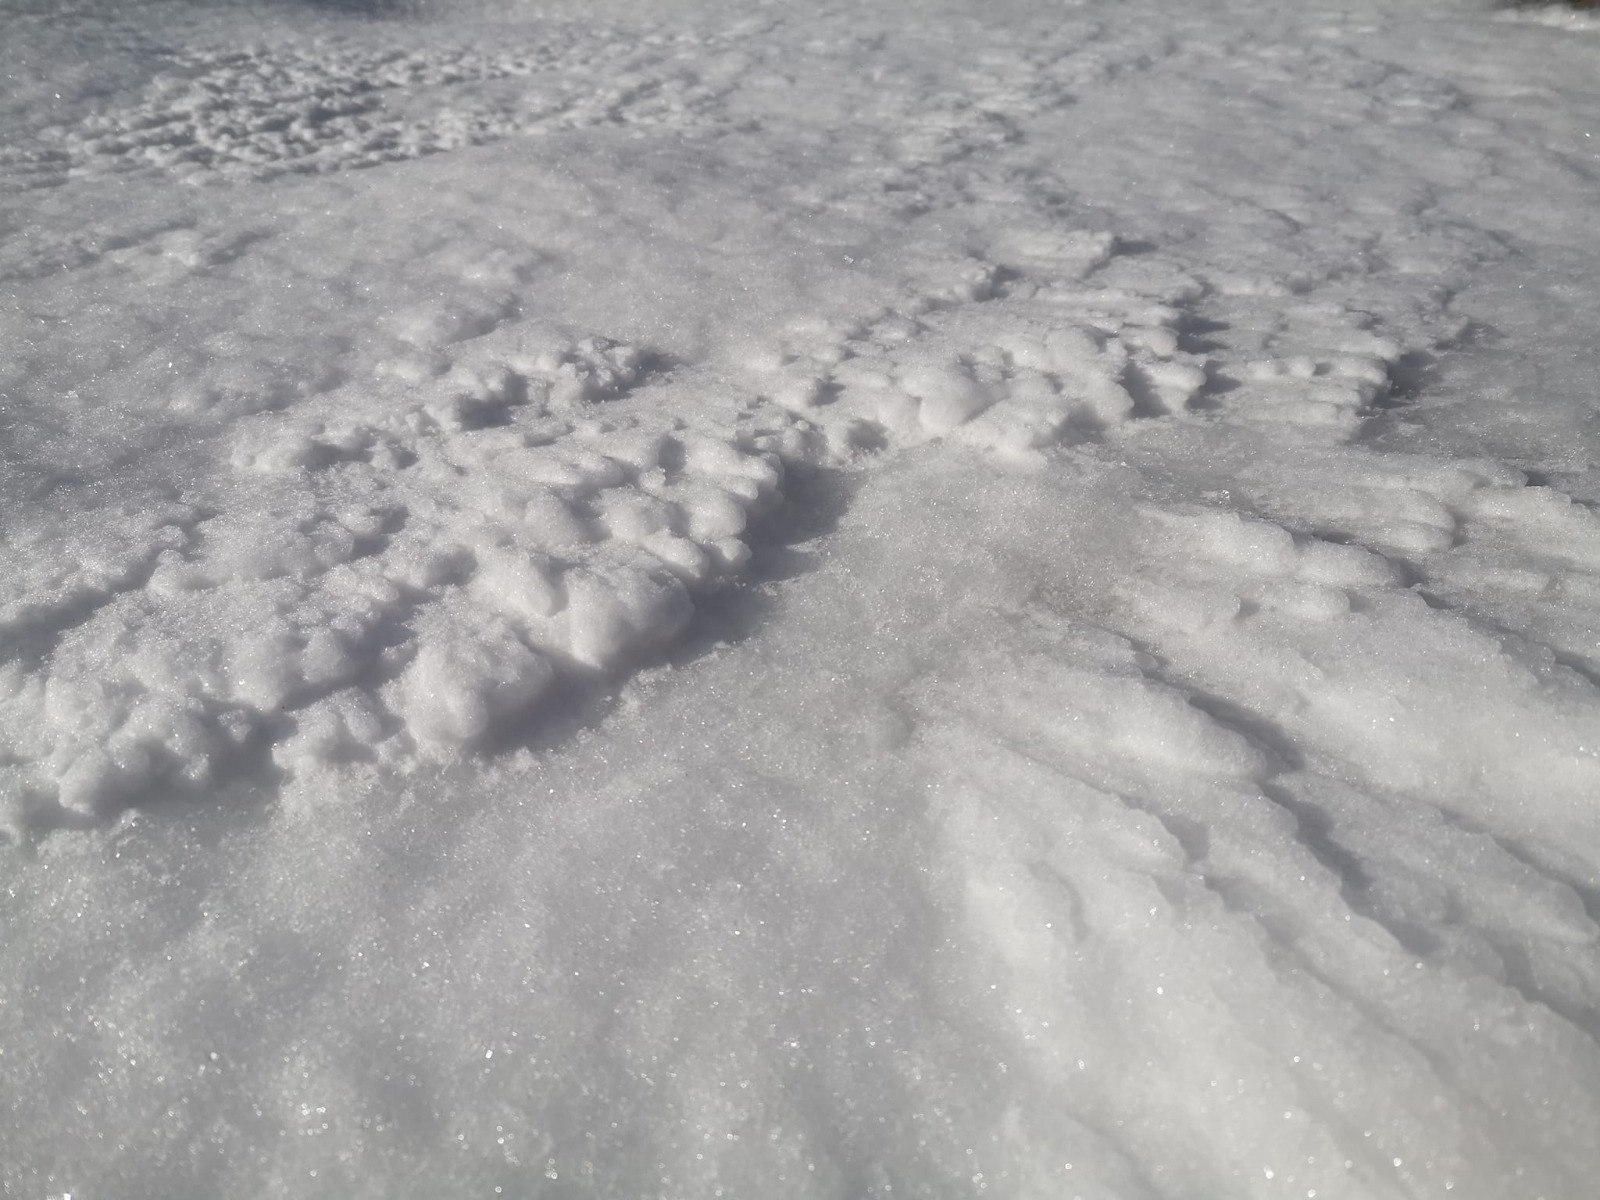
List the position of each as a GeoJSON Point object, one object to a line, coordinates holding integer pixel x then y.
{"type": "Point", "coordinates": [709, 599]}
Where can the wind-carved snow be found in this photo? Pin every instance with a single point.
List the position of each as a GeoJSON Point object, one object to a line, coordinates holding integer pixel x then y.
{"type": "Point", "coordinates": [1247, 589]}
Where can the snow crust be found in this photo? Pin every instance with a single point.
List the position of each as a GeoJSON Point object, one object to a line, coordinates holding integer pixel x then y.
{"type": "Point", "coordinates": [855, 600]}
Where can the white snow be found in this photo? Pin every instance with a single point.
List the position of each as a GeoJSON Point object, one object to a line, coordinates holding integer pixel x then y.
{"type": "Point", "coordinates": [702, 599]}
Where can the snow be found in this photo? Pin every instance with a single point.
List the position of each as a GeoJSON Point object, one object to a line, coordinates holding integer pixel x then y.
{"type": "Point", "coordinates": [706, 599]}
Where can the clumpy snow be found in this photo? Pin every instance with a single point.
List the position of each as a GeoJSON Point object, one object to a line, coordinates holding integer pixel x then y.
{"type": "Point", "coordinates": [836, 600]}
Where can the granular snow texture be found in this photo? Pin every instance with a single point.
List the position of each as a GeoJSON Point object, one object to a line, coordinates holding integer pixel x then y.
{"type": "Point", "coordinates": [835, 600]}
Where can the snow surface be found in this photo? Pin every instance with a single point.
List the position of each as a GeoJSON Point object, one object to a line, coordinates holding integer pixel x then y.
{"type": "Point", "coordinates": [702, 599]}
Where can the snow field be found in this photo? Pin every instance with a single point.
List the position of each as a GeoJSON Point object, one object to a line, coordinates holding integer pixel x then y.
{"type": "Point", "coordinates": [799, 603]}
